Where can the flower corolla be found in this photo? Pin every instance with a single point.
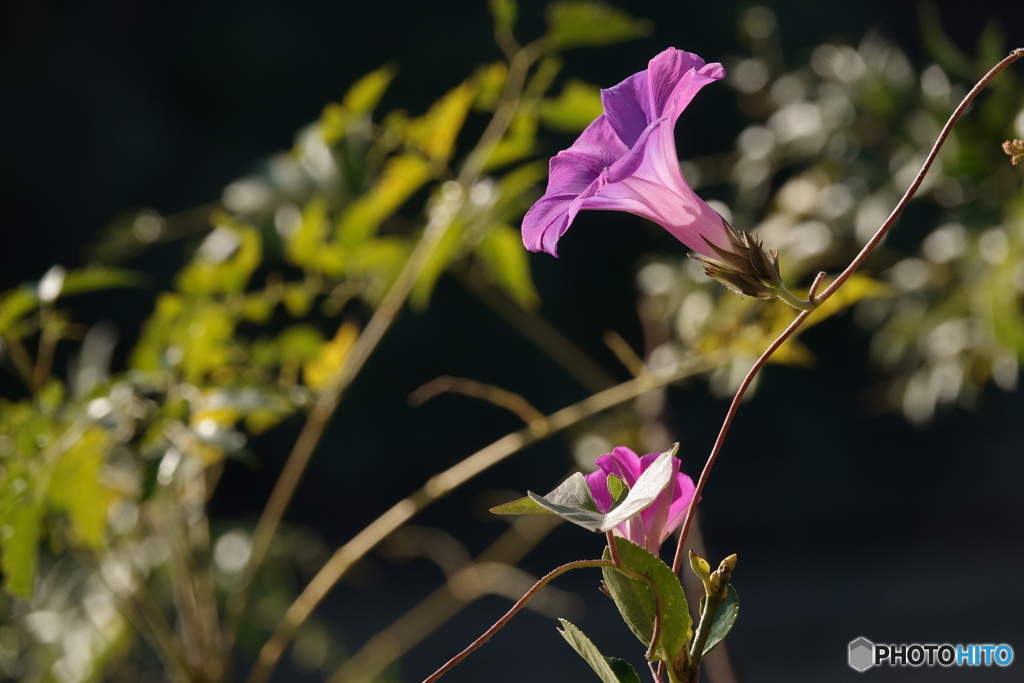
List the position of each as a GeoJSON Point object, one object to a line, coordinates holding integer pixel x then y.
{"type": "Point", "coordinates": [626, 160]}
{"type": "Point", "coordinates": [653, 525]}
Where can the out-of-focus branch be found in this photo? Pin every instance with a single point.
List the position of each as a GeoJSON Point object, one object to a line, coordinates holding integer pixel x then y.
{"type": "Point", "coordinates": [385, 314]}
{"type": "Point", "coordinates": [541, 333]}
{"type": "Point", "coordinates": [472, 582]}
{"type": "Point", "coordinates": [443, 484]}
{"type": "Point", "coordinates": [485, 392]}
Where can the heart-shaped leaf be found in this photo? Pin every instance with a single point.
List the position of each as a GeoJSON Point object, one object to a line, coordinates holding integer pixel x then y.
{"type": "Point", "coordinates": [635, 601]}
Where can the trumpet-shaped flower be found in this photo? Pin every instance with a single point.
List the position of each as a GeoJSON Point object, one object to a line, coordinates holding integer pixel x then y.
{"type": "Point", "coordinates": [626, 161]}
{"type": "Point", "coordinates": [657, 522]}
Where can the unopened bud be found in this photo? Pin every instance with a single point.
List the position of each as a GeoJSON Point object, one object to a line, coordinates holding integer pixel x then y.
{"type": "Point", "coordinates": [702, 569]}
{"type": "Point", "coordinates": [728, 564]}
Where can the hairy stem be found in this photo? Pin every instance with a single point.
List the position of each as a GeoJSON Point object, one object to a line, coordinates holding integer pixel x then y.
{"type": "Point", "coordinates": [512, 612]}
{"type": "Point", "coordinates": [831, 289]}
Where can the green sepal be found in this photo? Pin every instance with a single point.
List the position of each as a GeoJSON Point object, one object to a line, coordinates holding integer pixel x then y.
{"type": "Point", "coordinates": [725, 618]}
{"type": "Point", "coordinates": [608, 669]}
{"type": "Point", "coordinates": [635, 601]}
{"type": "Point", "coordinates": [618, 489]}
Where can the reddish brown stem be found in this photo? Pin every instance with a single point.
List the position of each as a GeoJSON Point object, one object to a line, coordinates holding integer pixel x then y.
{"type": "Point", "coordinates": [512, 612]}
{"type": "Point", "coordinates": [829, 291]}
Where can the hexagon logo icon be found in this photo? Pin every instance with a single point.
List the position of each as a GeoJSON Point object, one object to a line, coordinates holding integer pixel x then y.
{"type": "Point", "coordinates": [862, 654]}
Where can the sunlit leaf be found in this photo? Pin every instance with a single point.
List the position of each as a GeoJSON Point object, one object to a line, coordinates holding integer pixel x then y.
{"type": "Point", "coordinates": [572, 23]}
{"type": "Point", "coordinates": [506, 262]}
{"type": "Point", "coordinates": [75, 486]}
{"type": "Point", "coordinates": [402, 176]}
{"type": "Point", "coordinates": [435, 132]}
{"type": "Point", "coordinates": [362, 98]}
{"type": "Point", "coordinates": [20, 530]}
{"type": "Point", "coordinates": [318, 371]}
{"type": "Point", "coordinates": [573, 110]}
{"type": "Point", "coordinates": [224, 261]}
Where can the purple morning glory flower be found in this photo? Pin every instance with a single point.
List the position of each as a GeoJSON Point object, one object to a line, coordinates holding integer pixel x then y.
{"type": "Point", "coordinates": [626, 161]}
{"type": "Point", "coordinates": [656, 523]}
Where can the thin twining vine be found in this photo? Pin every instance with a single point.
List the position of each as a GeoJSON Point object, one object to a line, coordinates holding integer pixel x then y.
{"type": "Point", "coordinates": [815, 299]}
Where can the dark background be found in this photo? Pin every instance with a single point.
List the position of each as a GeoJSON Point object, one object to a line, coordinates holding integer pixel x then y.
{"type": "Point", "coordinates": [847, 522]}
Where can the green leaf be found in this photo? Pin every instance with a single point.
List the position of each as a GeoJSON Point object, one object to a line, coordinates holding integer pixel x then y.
{"type": "Point", "coordinates": [402, 176]}
{"type": "Point", "coordinates": [435, 132]}
{"type": "Point", "coordinates": [619, 672]}
{"type": "Point", "coordinates": [503, 256]}
{"type": "Point", "coordinates": [725, 618]}
{"type": "Point", "coordinates": [92, 279]}
{"type": "Point", "coordinates": [225, 261]}
{"type": "Point", "coordinates": [522, 506]}
{"type": "Point", "coordinates": [624, 671]}
{"type": "Point", "coordinates": [361, 99]}
{"type": "Point", "coordinates": [20, 529]}
{"type": "Point", "coordinates": [635, 600]}
{"type": "Point", "coordinates": [365, 94]}
{"type": "Point", "coordinates": [75, 486]}
{"type": "Point", "coordinates": [574, 109]}
{"type": "Point", "coordinates": [618, 490]}
{"type": "Point", "coordinates": [591, 24]}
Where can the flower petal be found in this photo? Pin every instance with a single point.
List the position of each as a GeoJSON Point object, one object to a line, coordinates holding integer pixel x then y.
{"type": "Point", "coordinates": [623, 463]}
{"type": "Point", "coordinates": [682, 496]}
{"type": "Point", "coordinates": [570, 174]}
{"type": "Point", "coordinates": [624, 107]}
{"type": "Point", "coordinates": [598, 483]}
